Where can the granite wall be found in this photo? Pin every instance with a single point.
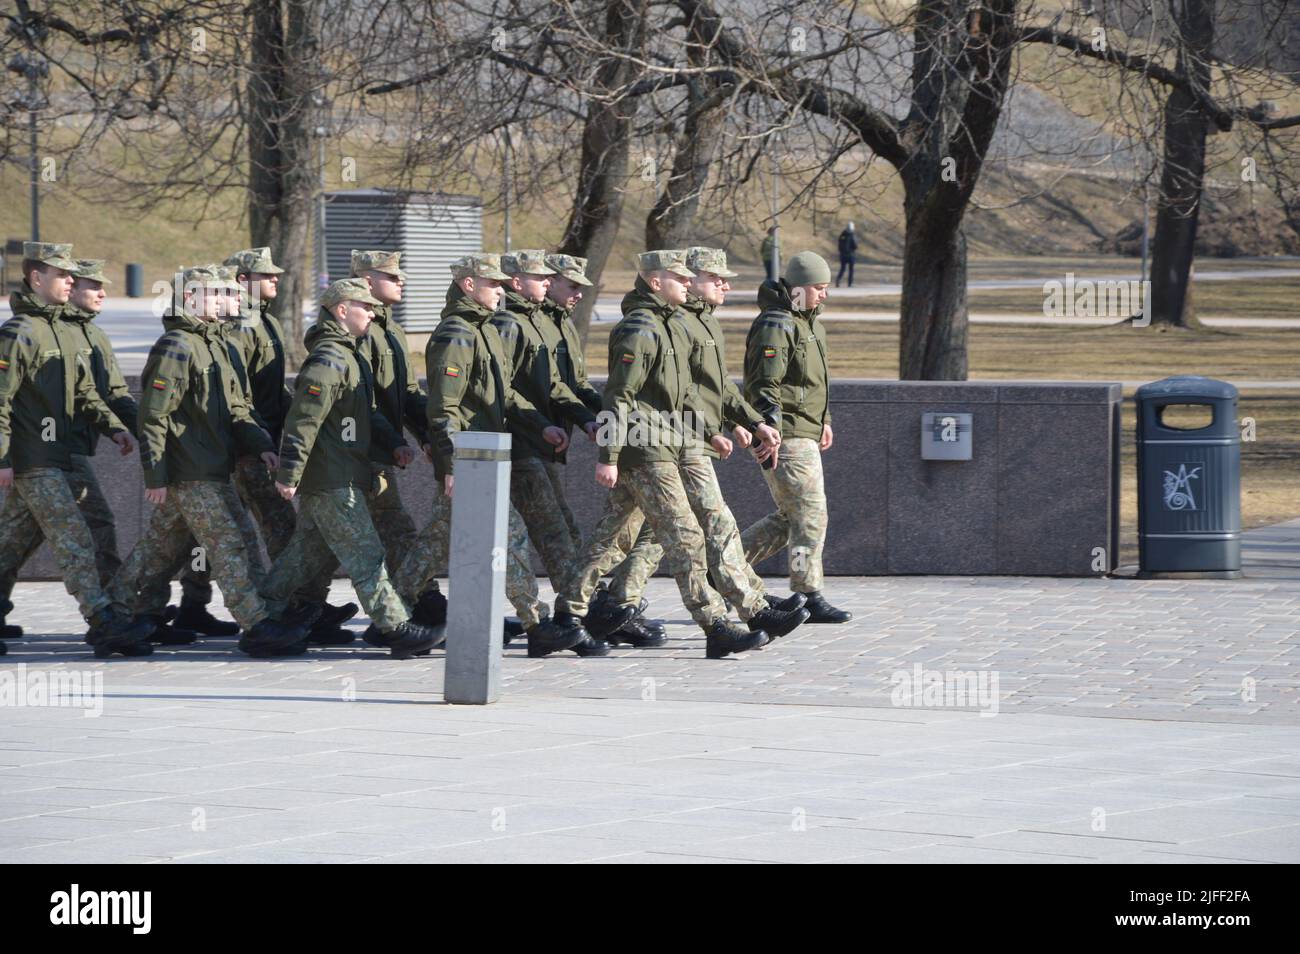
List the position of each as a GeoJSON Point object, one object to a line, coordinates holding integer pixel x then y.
{"type": "Point", "coordinates": [1040, 491]}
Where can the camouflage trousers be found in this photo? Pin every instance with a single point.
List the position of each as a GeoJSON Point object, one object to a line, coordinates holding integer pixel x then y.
{"type": "Point", "coordinates": [800, 518]}
{"type": "Point", "coordinates": [45, 496]}
{"type": "Point", "coordinates": [428, 560]}
{"type": "Point", "coordinates": [26, 536]}
{"type": "Point", "coordinates": [555, 474]}
{"type": "Point", "coordinates": [274, 515]}
{"type": "Point", "coordinates": [538, 500]}
{"type": "Point", "coordinates": [732, 574]}
{"type": "Point", "coordinates": [652, 494]}
{"type": "Point", "coordinates": [209, 512]}
{"type": "Point", "coordinates": [334, 528]}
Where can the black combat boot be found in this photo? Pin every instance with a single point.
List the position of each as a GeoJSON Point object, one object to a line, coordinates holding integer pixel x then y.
{"type": "Point", "coordinates": [194, 616]}
{"type": "Point", "coordinates": [114, 631]}
{"type": "Point", "coordinates": [639, 633]}
{"type": "Point", "coordinates": [8, 630]}
{"type": "Point", "coordinates": [375, 637]}
{"type": "Point", "coordinates": [777, 623]}
{"type": "Point", "coordinates": [512, 629]}
{"type": "Point", "coordinates": [411, 639]}
{"type": "Point", "coordinates": [321, 635]}
{"type": "Point", "coordinates": [331, 615]}
{"type": "Point", "coordinates": [607, 618]}
{"type": "Point", "coordinates": [792, 602]}
{"type": "Point", "coordinates": [274, 638]}
{"type": "Point", "coordinates": [430, 609]}
{"type": "Point", "coordinates": [3, 649]}
{"type": "Point", "coordinates": [166, 634]}
{"type": "Point", "coordinates": [822, 612]}
{"type": "Point", "coordinates": [724, 638]}
{"type": "Point", "coordinates": [591, 646]}
{"type": "Point", "coordinates": [555, 635]}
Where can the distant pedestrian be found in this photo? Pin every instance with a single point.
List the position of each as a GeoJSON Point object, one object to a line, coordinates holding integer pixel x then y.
{"type": "Point", "coordinates": [848, 244]}
{"type": "Point", "coordinates": [771, 243]}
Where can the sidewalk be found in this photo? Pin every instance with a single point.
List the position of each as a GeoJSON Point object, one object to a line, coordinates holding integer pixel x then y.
{"type": "Point", "coordinates": [1130, 721]}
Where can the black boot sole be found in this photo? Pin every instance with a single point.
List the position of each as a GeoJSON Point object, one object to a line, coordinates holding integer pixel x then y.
{"type": "Point", "coordinates": [796, 620]}
{"type": "Point", "coordinates": [755, 640]}
{"type": "Point", "coordinates": [128, 648]}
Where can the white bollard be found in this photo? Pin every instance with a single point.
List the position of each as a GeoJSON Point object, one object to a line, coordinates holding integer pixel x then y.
{"type": "Point", "coordinates": [476, 600]}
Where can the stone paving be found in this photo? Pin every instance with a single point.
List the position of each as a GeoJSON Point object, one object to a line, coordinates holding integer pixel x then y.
{"type": "Point", "coordinates": [955, 719]}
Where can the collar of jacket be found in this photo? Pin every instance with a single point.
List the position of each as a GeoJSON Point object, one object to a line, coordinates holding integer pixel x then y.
{"type": "Point", "coordinates": [556, 312]}
{"type": "Point", "coordinates": [24, 302]}
{"type": "Point", "coordinates": [462, 306]}
{"type": "Point", "coordinates": [517, 304]}
{"type": "Point", "coordinates": [183, 322]}
{"type": "Point", "coordinates": [643, 296]}
{"type": "Point", "coordinates": [696, 306]}
{"type": "Point", "coordinates": [327, 328]}
{"type": "Point", "coordinates": [72, 313]}
{"type": "Point", "coordinates": [383, 313]}
{"type": "Point", "coordinates": [777, 296]}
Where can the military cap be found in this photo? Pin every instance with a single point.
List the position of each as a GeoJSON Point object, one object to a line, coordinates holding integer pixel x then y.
{"type": "Point", "coordinates": [485, 265]}
{"type": "Point", "coordinates": [700, 258]}
{"type": "Point", "coordinates": [386, 262]}
{"type": "Point", "coordinates": [91, 269]}
{"type": "Point", "coordinates": [254, 260]}
{"type": "Point", "coordinates": [348, 289]}
{"type": "Point", "coordinates": [806, 268]}
{"type": "Point", "coordinates": [664, 259]}
{"type": "Point", "coordinates": [203, 276]}
{"type": "Point", "coordinates": [529, 261]}
{"type": "Point", "coordinates": [570, 266]}
{"type": "Point", "coordinates": [50, 253]}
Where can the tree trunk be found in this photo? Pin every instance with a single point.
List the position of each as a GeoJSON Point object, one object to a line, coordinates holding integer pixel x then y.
{"type": "Point", "coordinates": [671, 223]}
{"type": "Point", "coordinates": [606, 144]}
{"type": "Point", "coordinates": [1181, 179]}
{"type": "Point", "coordinates": [933, 321]}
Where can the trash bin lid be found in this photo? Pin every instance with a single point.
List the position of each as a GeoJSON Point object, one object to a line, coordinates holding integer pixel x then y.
{"type": "Point", "coordinates": [1186, 386]}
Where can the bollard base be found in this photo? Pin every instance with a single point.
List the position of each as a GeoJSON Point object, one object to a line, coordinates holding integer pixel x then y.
{"type": "Point", "coordinates": [1188, 575]}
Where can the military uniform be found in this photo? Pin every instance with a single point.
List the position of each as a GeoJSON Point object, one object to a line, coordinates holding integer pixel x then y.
{"type": "Point", "coordinates": [529, 343]}
{"type": "Point", "coordinates": [46, 388]}
{"type": "Point", "coordinates": [97, 353]}
{"type": "Point", "coordinates": [469, 390]}
{"type": "Point", "coordinates": [648, 390]}
{"type": "Point", "coordinates": [400, 400]}
{"type": "Point", "coordinates": [722, 408]}
{"type": "Point", "coordinates": [332, 425]}
{"type": "Point", "coordinates": [787, 379]}
{"type": "Point", "coordinates": [194, 423]}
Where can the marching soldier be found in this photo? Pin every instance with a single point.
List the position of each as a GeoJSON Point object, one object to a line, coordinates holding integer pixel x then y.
{"type": "Point", "coordinates": [45, 386]}
{"type": "Point", "coordinates": [648, 391]}
{"type": "Point", "coordinates": [194, 423]}
{"type": "Point", "coordinates": [787, 379]}
{"type": "Point", "coordinates": [723, 411]}
{"type": "Point", "coordinates": [325, 462]}
{"type": "Point", "coordinates": [530, 363]}
{"type": "Point", "coordinates": [470, 390]}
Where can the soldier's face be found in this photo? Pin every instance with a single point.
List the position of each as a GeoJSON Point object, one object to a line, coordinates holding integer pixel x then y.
{"type": "Point", "coordinates": [213, 304]}
{"type": "Point", "coordinates": [532, 287]}
{"type": "Point", "coordinates": [486, 291]}
{"type": "Point", "coordinates": [87, 295]}
{"type": "Point", "coordinates": [230, 304]}
{"type": "Point", "coordinates": [565, 292]}
{"type": "Point", "coordinates": [264, 286]}
{"type": "Point", "coordinates": [53, 286]}
{"type": "Point", "coordinates": [709, 288]}
{"type": "Point", "coordinates": [387, 288]}
{"type": "Point", "coordinates": [673, 287]}
{"type": "Point", "coordinates": [355, 316]}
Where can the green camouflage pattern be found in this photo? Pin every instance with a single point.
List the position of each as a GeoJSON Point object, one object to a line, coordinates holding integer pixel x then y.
{"type": "Point", "coordinates": [628, 580]}
{"type": "Point", "coordinates": [664, 260]}
{"type": "Point", "coordinates": [92, 270]}
{"type": "Point", "coordinates": [377, 261]}
{"type": "Point", "coordinates": [254, 261]}
{"type": "Point", "coordinates": [556, 477]}
{"type": "Point", "coordinates": [478, 266]}
{"type": "Point", "coordinates": [334, 527]}
{"type": "Point", "coordinates": [700, 258]}
{"type": "Point", "coordinates": [273, 514]}
{"type": "Point", "coordinates": [45, 495]}
{"type": "Point", "coordinates": [535, 497]}
{"type": "Point", "coordinates": [348, 289]}
{"type": "Point", "coordinates": [528, 261]}
{"type": "Point", "coordinates": [799, 522]}
{"type": "Point", "coordinates": [54, 254]}
{"type": "Point", "coordinates": [570, 266]}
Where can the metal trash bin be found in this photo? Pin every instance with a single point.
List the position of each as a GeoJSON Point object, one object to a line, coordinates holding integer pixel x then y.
{"type": "Point", "coordinates": [134, 280]}
{"type": "Point", "coordinates": [1189, 480]}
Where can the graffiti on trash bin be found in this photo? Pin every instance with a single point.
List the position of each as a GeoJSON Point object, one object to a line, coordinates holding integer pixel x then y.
{"type": "Point", "coordinates": [1178, 488]}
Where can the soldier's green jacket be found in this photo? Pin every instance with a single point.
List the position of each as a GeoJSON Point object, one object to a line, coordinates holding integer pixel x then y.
{"type": "Point", "coordinates": [397, 392]}
{"type": "Point", "coordinates": [261, 343]}
{"type": "Point", "coordinates": [718, 398]}
{"type": "Point", "coordinates": [534, 374]}
{"type": "Point", "coordinates": [333, 420]}
{"type": "Point", "coordinates": [649, 380]}
{"type": "Point", "coordinates": [43, 380]}
{"type": "Point", "coordinates": [787, 378]}
{"type": "Point", "coordinates": [97, 352]}
{"type": "Point", "coordinates": [469, 382]}
{"type": "Point", "coordinates": [562, 338]}
{"type": "Point", "coordinates": [194, 419]}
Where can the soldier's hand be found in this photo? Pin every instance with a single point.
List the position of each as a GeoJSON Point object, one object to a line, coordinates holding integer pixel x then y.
{"type": "Point", "coordinates": [721, 444]}
{"type": "Point", "coordinates": [828, 437]}
{"type": "Point", "coordinates": [447, 483]}
{"type": "Point", "coordinates": [156, 495]}
{"type": "Point", "coordinates": [285, 490]}
{"type": "Point", "coordinates": [592, 429]}
{"type": "Point", "coordinates": [403, 456]}
{"type": "Point", "coordinates": [6, 477]}
{"type": "Point", "coordinates": [607, 474]}
{"type": "Point", "coordinates": [123, 440]}
{"type": "Point", "coordinates": [271, 459]}
{"type": "Point", "coordinates": [742, 436]}
{"type": "Point", "coordinates": [769, 435]}
{"type": "Point", "coordinates": [763, 451]}
{"type": "Point", "coordinates": [428, 452]}
{"type": "Point", "coordinates": [556, 437]}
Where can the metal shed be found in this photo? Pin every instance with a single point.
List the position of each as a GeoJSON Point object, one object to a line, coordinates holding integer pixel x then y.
{"type": "Point", "coordinates": [430, 229]}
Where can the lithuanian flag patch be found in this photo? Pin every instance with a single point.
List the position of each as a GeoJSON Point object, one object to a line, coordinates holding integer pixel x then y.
{"type": "Point", "coordinates": [313, 390]}
{"type": "Point", "coordinates": [628, 359]}
{"type": "Point", "coordinates": [159, 384]}
{"type": "Point", "coordinates": [453, 372]}
{"type": "Point", "coordinates": [769, 352]}
{"type": "Point", "coordinates": [4, 364]}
